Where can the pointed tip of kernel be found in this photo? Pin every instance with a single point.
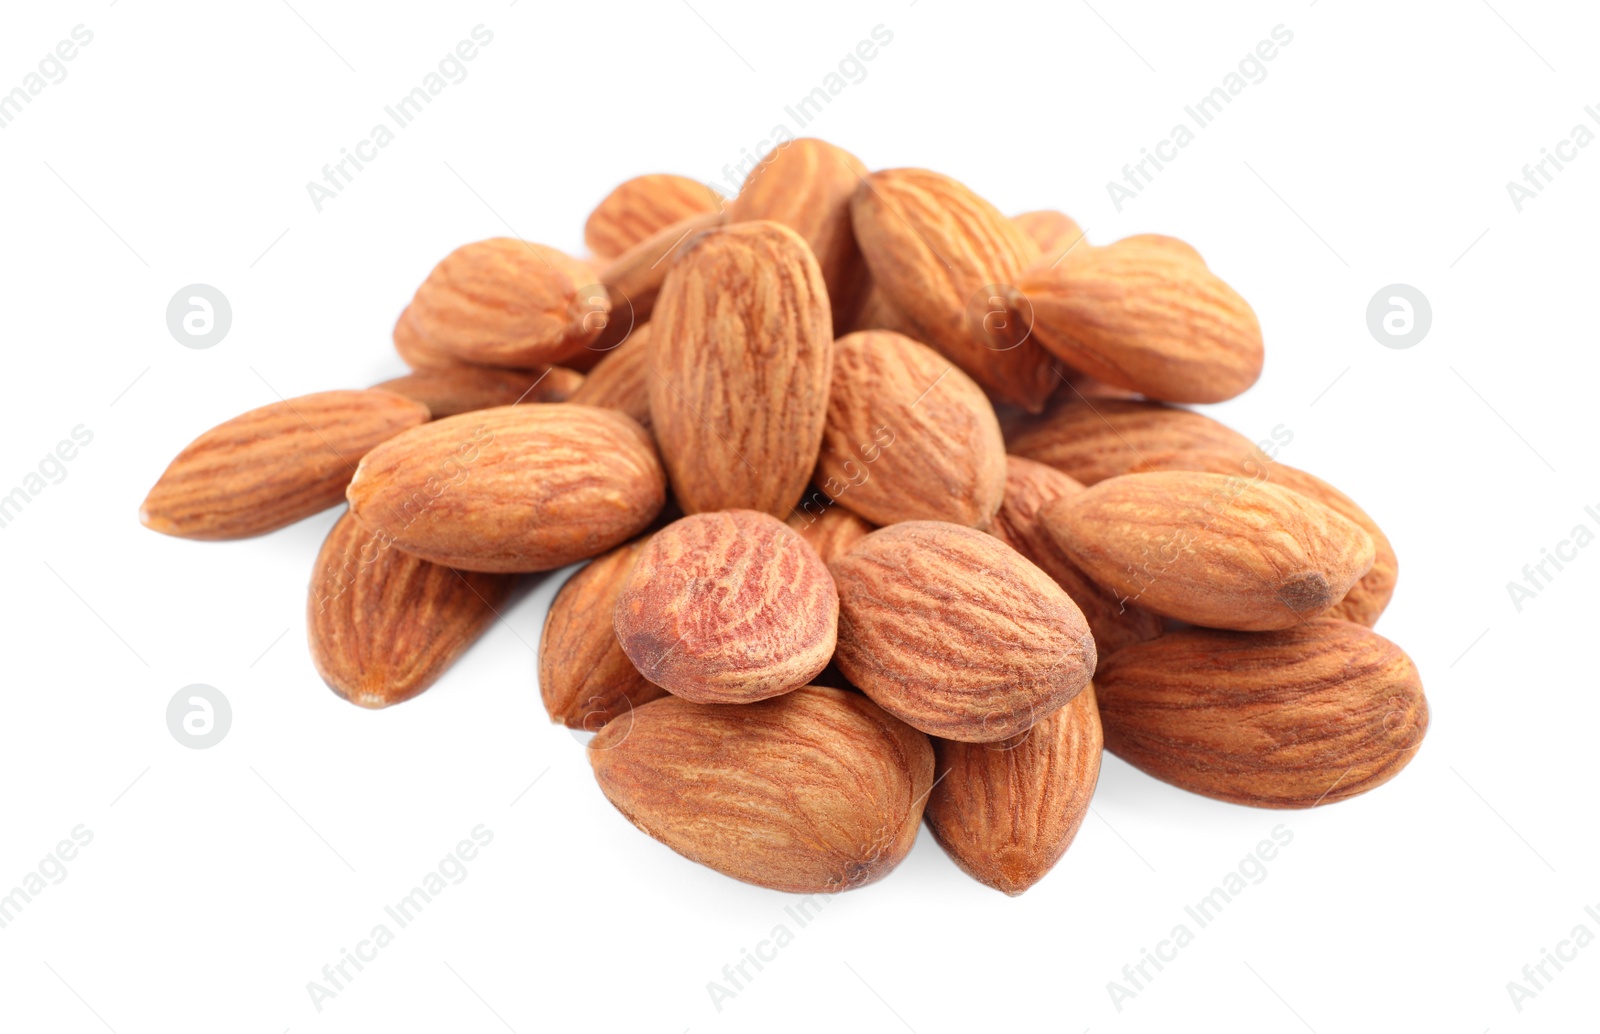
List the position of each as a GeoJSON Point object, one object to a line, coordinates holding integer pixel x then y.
{"type": "Point", "coordinates": [152, 518]}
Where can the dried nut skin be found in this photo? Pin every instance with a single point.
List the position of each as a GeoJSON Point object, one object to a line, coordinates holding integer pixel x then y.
{"type": "Point", "coordinates": [1006, 812]}
{"type": "Point", "coordinates": [729, 608]}
{"type": "Point", "coordinates": [1289, 719]}
{"type": "Point", "coordinates": [813, 792]}
{"type": "Point", "coordinates": [415, 351]}
{"type": "Point", "coordinates": [641, 207]}
{"type": "Point", "coordinates": [1369, 597]}
{"type": "Point", "coordinates": [1212, 550]}
{"type": "Point", "coordinates": [944, 256]}
{"type": "Point", "coordinates": [275, 465]}
{"type": "Point", "coordinates": [633, 279]}
{"type": "Point", "coordinates": [1172, 246]}
{"type": "Point", "coordinates": [620, 380]}
{"type": "Point", "coordinates": [806, 185]}
{"type": "Point", "coordinates": [1123, 436]}
{"type": "Point", "coordinates": [1056, 233]}
{"type": "Point", "coordinates": [1114, 437]}
{"type": "Point", "coordinates": [584, 677]}
{"type": "Point", "coordinates": [1148, 317]}
{"type": "Point", "coordinates": [384, 625]}
{"type": "Point", "coordinates": [505, 302]}
{"type": "Point", "coordinates": [741, 356]}
{"type": "Point", "coordinates": [922, 434]}
{"type": "Point", "coordinates": [955, 633]}
{"type": "Point", "coordinates": [461, 389]}
{"type": "Point", "coordinates": [1030, 487]}
{"type": "Point", "coordinates": [1366, 600]}
{"type": "Point", "coordinates": [516, 488]}
{"type": "Point", "coordinates": [831, 532]}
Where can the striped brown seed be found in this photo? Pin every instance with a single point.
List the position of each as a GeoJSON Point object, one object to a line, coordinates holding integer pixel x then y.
{"type": "Point", "coordinates": [728, 607]}
{"type": "Point", "coordinates": [1288, 719]}
{"type": "Point", "coordinates": [385, 625]}
{"type": "Point", "coordinates": [813, 792]}
{"type": "Point", "coordinates": [275, 465]}
{"type": "Point", "coordinates": [955, 633]}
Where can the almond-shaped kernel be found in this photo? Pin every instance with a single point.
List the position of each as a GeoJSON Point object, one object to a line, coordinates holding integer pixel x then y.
{"type": "Point", "coordinates": [956, 633]}
{"type": "Point", "coordinates": [813, 792]}
{"type": "Point", "coordinates": [806, 185]}
{"type": "Point", "coordinates": [728, 607]}
{"type": "Point", "coordinates": [585, 679]}
{"type": "Point", "coordinates": [1006, 812]}
{"type": "Point", "coordinates": [643, 206]}
{"type": "Point", "coordinates": [384, 625]}
{"type": "Point", "coordinates": [515, 488]}
{"type": "Point", "coordinates": [275, 465]}
{"type": "Point", "coordinates": [741, 356]}
{"type": "Point", "coordinates": [1147, 316]}
{"type": "Point", "coordinates": [945, 258]}
{"type": "Point", "coordinates": [506, 302]}
{"type": "Point", "coordinates": [909, 436]}
{"type": "Point", "coordinates": [1109, 437]}
{"type": "Point", "coordinates": [1212, 550]}
{"type": "Point", "coordinates": [1290, 719]}
{"type": "Point", "coordinates": [1366, 600]}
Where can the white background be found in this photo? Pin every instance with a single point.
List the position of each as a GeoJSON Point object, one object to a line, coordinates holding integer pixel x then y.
{"type": "Point", "coordinates": [220, 881]}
